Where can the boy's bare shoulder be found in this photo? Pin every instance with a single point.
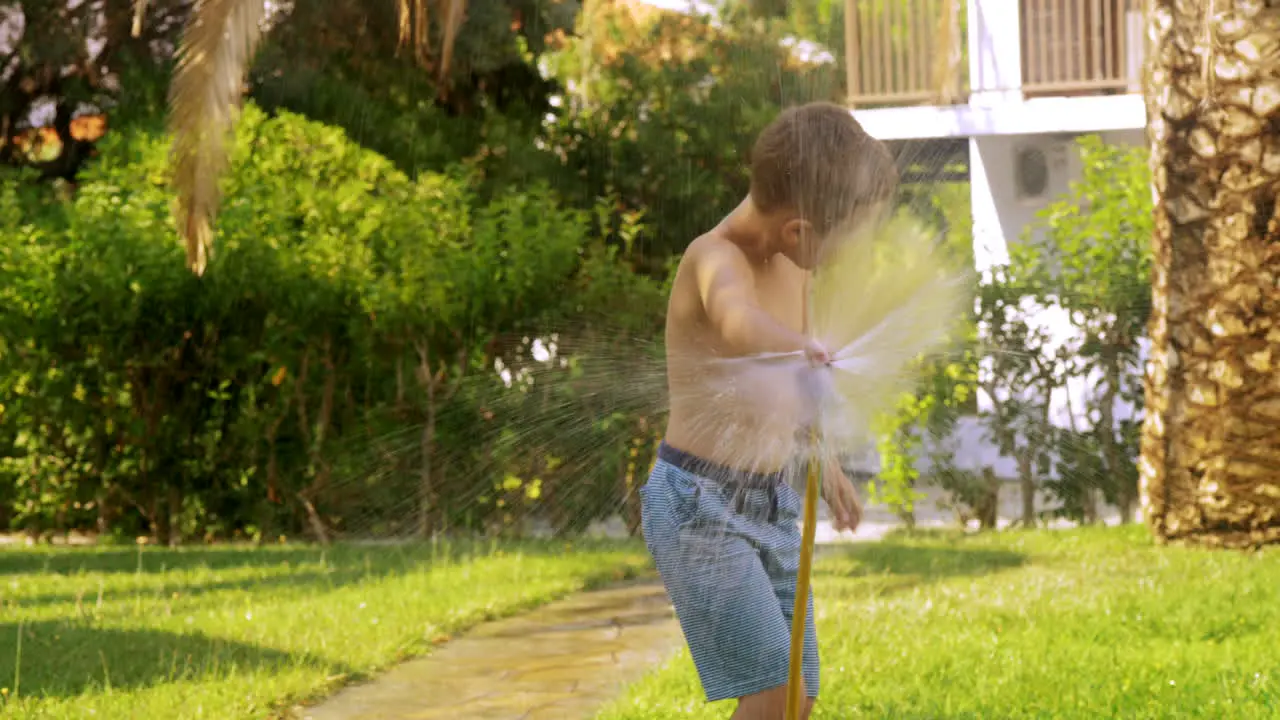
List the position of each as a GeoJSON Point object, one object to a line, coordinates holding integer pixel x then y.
{"type": "Point", "coordinates": [707, 252]}
{"type": "Point", "coordinates": [712, 247]}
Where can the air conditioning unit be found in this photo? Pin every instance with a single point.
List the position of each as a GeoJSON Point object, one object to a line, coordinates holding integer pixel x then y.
{"type": "Point", "coordinates": [1030, 172]}
{"type": "Point", "coordinates": [1039, 166]}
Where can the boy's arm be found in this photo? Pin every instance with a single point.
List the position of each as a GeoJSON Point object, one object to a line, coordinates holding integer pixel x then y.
{"type": "Point", "coordinates": [729, 298]}
{"type": "Point", "coordinates": [841, 496]}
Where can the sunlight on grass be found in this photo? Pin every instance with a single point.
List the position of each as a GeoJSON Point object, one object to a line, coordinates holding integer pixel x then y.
{"type": "Point", "coordinates": [241, 633]}
{"type": "Point", "coordinates": [1081, 624]}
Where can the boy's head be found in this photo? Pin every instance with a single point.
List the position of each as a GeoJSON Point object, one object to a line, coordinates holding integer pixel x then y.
{"type": "Point", "coordinates": [816, 173]}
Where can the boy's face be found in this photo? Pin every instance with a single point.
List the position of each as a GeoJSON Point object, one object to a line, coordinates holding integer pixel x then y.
{"type": "Point", "coordinates": [802, 245]}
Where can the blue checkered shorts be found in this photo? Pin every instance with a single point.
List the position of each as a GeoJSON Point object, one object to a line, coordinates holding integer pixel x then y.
{"type": "Point", "coordinates": [728, 550]}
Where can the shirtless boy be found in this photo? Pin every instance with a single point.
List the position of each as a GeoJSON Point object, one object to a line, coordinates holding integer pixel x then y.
{"type": "Point", "coordinates": [719, 516]}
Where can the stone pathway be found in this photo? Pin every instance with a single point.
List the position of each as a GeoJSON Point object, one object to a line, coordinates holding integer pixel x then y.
{"type": "Point", "coordinates": [559, 662]}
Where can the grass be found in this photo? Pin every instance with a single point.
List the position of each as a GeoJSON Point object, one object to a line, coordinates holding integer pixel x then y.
{"type": "Point", "coordinates": [1080, 624]}
{"type": "Point", "coordinates": [231, 633]}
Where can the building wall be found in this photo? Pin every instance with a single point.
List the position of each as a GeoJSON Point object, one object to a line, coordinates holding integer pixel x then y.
{"type": "Point", "coordinates": [1002, 218]}
{"type": "Point", "coordinates": [1000, 215]}
{"type": "Point", "coordinates": [999, 121]}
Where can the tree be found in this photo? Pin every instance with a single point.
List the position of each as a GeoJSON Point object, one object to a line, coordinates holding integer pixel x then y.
{"type": "Point", "coordinates": [391, 98]}
{"type": "Point", "coordinates": [1094, 263]}
{"type": "Point", "coordinates": [1019, 372]}
{"type": "Point", "coordinates": [73, 57]}
{"type": "Point", "coordinates": [920, 423]}
{"type": "Point", "coordinates": [333, 371]}
{"type": "Point", "coordinates": [921, 426]}
{"type": "Point", "coordinates": [1210, 465]}
{"type": "Point", "coordinates": [445, 299]}
{"type": "Point", "coordinates": [223, 35]}
{"type": "Point", "coordinates": [661, 108]}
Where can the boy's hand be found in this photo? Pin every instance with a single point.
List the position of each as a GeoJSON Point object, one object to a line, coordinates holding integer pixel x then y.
{"type": "Point", "coordinates": [816, 353]}
{"type": "Point", "coordinates": [842, 498]}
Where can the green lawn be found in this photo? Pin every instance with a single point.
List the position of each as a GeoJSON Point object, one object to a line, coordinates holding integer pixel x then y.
{"type": "Point", "coordinates": [1081, 624]}
{"type": "Point", "coordinates": [229, 633]}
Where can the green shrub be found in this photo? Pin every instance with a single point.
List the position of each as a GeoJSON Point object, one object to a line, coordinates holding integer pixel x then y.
{"type": "Point", "coordinates": [345, 304]}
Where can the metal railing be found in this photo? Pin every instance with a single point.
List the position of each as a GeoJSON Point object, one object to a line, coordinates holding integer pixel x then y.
{"type": "Point", "coordinates": [903, 52]}
{"type": "Point", "coordinates": [907, 52]}
{"type": "Point", "coordinates": [1081, 47]}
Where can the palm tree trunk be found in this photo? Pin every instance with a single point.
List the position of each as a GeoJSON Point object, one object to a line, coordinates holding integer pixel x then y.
{"type": "Point", "coordinates": [1210, 463]}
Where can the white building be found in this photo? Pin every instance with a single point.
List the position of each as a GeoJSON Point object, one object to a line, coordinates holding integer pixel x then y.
{"type": "Point", "coordinates": [1040, 73]}
{"type": "Point", "coordinates": [1032, 77]}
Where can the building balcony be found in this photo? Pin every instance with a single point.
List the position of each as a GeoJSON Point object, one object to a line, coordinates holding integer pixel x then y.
{"type": "Point", "coordinates": [952, 52]}
{"type": "Point", "coordinates": [906, 52]}
{"type": "Point", "coordinates": [1081, 47]}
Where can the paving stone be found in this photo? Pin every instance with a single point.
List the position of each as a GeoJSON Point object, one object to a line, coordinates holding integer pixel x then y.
{"type": "Point", "coordinates": [561, 661]}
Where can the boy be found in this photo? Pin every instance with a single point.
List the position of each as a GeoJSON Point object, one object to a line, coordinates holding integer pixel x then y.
{"type": "Point", "coordinates": [719, 516]}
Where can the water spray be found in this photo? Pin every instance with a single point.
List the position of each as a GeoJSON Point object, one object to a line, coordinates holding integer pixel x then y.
{"type": "Point", "coordinates": [883, 301]}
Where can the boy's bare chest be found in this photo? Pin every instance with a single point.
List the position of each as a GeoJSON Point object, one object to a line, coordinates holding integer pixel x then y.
{"type": "Point", "coordinates": [780, 289]}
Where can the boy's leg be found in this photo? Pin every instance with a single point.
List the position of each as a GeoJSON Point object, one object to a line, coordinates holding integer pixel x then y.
{"type": "Point", "coordinates": [769, 705]}
{"type": "Point", "coordinates": [780, 558]}
{"type": "Point", "coordinates": [737, 634]}
{"type": "Point", "coordinates": [724, 598]}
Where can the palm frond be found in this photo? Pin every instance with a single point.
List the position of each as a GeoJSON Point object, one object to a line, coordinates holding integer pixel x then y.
{"type": "Point", "coordinates": [204, 99]}
{"type": "Point", "coordinates": [422, 32]}
{"type": "Point", "coordinates": [414, 19]}
{"type": "Point", "coordinates": [139, 11]}
{"type": "Point", "coordinates": [455, 14]}
{"type": "Point", "coordinates": [405, 20]}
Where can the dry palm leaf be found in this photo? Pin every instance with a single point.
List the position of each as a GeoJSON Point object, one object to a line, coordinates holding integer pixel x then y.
{"type": "Point", "coordinates": [455, 13]}
{"type": "Point", "coordinates": [415, 24]}
{"type": "Point", "coordinates": [139, 10]}
{"type": "Point", "coordinates": [422, 32]}
{"type": "Point", "coordinates": [204, 99]}
{"type": "Point", "coordinates": [405, 21]}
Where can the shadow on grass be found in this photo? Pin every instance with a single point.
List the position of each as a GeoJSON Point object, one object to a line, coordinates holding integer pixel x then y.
{"type": "Point", "coordinates": [281, 567]}
{"type": "Point", "coordinates": [898, 566]}
{"type": "Point", "coordinates": [113, 559]}
{"type": "Point", "coordinates": [933, 562]}
{"type": "Point", "coordinates": [66, 659]}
